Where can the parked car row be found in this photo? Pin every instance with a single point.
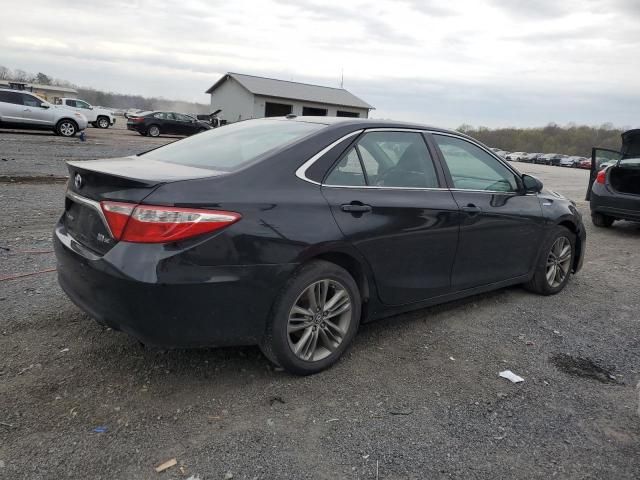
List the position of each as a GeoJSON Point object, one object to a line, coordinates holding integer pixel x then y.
{"type": "Point", "coordinates": [555, 159]}
{"type": "Point", "coordinates": [154, 124]}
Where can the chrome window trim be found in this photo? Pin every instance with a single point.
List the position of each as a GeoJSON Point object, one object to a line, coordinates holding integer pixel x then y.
{"type": "Point", "coordinates": [302, 170]}
{"type": "Point", "coordinates": [91, 204]}
{"type": "Point", "coordinates": [376, 187]}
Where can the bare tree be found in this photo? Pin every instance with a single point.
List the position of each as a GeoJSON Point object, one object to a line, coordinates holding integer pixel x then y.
{"type": "Point", "coordinates": [5, 73]}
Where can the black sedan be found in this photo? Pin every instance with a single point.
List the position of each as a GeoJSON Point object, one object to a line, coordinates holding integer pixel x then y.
{"type": "Point", "coordinates": [155, 124]}
{"type": "Point", "coordinates": [614, 183]}
{"type": "Point", "coordinates": [288, 233]}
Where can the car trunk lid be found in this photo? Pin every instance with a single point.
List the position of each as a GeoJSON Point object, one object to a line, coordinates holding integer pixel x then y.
{"type": "Point", "coordinates": [128, 179]}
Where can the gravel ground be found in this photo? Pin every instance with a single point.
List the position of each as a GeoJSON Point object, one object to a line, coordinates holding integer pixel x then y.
{"type": "Point", "coordinates": [418, 396]}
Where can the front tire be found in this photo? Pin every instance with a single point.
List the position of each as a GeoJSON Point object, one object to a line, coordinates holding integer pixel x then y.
{"type": "Point", "coordinates": [102, 122]}
{"type": "Point", "coordinates": [555, 263]}
{"type": "Point", "coordinates": [314, 319]}
{"type": "Point", "coordinates": [66, 128]}
{"type": "Point", "coordinates": [602, 221]}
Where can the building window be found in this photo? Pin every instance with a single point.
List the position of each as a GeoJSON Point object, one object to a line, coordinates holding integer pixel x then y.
{"type": "Point", "coordinates": [315, 112]}
{"type": "Point", "coordinates": [343, 113]}
{"type": "Point", "coordinates": [276, 109]}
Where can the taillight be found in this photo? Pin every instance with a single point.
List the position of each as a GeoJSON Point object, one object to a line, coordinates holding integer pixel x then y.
{"type": "Point", "coordinates": [602, 175]}
{"type": "Point", "coordinates": [158, 224]}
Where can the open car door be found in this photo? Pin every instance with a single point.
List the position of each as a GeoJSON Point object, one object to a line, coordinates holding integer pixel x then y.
{"type": "Point", "coordinates": [601, 158]}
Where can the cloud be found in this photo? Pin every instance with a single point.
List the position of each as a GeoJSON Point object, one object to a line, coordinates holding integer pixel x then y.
{"type": "Point", "coordinates": [516, 62]}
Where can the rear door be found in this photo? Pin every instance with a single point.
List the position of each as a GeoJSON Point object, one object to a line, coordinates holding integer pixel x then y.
{"type": "Point", "coordinates": [600, 158]}
{"type": "Point", "coordinates": [501, 228]}
{"type": "Point", "coordinates": [387, 196]}
{"type": "Point", "coordinates": [11, 107]}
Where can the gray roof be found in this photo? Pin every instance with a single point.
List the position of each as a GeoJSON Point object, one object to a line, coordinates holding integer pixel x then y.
{"type": "Point", "coordinates": [54, 88]}
{"type": "Point", "coordinates": [270, 87]}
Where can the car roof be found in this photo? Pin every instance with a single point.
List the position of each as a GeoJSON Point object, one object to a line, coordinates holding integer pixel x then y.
{"type": "Point", "coordinates": [366, 123]}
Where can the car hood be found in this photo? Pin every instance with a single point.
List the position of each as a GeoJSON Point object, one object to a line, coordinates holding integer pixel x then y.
{"type": "Point", "coordinates": [631, 143]}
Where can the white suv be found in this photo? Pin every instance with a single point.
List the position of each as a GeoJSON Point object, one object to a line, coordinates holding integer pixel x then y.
{"type": "Point", "coordinates": [25, 110]}
{"type": "Point", "coordinates": [96, 116]}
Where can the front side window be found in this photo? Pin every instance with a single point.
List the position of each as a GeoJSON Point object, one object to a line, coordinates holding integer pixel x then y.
{"type": "Point", "coordinates": [472, 168]}
{"type": "Point", "coordinates": [30, 100]}
{"type": "Point", "coordinates": [71, 103]}
{"type": "Point", "coordinates": [182, 118]}
{"type": "Point", "coordinates": [234, 146]}
{"type": "Point", "coordinates": [396, 159]}
{"type": "Point", "coordinates": [81, 104]}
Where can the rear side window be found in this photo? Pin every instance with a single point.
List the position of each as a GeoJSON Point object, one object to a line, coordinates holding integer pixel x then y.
{"type": "Point", "coordinates": [232, 147]}
{"type": "Point", "coordinates": [70, 103]}
{"type": "Point", "coordinates": [348, 172]}
{"type": "Point", "coordinates": [11, 97]}
{"type": "Point", "coordinates": [389, 159]}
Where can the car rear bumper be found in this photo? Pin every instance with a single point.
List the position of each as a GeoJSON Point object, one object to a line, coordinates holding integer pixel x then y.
{"type": "Point", "coordinates": [617, 205]}
{"type": "Point", "coordinates": [194, 306]}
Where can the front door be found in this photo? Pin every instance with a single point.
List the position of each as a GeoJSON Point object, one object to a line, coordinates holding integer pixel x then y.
{"type": "Point", "coordinates": [501, 228]}
{"type": "Point", "coordinates": [387, 198]}
{"type": "Point", "coordinates": [185, 125]}
{"type": "Point", "coordinates": [36, 111]}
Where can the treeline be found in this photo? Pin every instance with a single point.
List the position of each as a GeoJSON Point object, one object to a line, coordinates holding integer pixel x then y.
{"type": "Point", "coordinates": [118, 100]}
{"type": "Point", "coordinates": [570, 140]}
{"type": "Point", "coordinates": [105, 99]}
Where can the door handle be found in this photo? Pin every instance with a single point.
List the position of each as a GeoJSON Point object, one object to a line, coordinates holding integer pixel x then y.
{"type": "Point", "coordinates": [356, 208]}
{"type": "Point", "coordinates": [471, 209]}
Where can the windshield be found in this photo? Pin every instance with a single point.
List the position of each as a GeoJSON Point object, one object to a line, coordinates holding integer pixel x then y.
{"type": "Point", "coordinates": [231, 147]}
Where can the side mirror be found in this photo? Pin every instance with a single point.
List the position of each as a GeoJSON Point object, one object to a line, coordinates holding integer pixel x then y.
{"type": "Point", "coordinates": [44, 105]}
{"type": "Point", "coordinates": [531, 184]}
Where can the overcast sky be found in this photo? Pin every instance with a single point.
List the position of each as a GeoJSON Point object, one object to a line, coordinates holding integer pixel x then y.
{"type": "Point", "coordinates": [481, 62]}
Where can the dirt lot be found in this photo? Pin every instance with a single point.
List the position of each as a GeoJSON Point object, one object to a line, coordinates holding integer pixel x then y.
{"type": "Point", "coordinates": [418, 396]}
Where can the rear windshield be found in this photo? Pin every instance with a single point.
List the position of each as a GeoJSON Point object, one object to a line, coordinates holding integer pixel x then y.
{"type": "Point", "coordinates": [231, 147]}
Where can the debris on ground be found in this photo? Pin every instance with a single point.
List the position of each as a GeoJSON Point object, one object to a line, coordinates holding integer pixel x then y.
{"type": "Point", "coordinates": [407, 411]}
{"type": "Point", "coordinates": [509, 375]}
{"type": "Point", "coordinates": [100, 429]}
{"type": "Point", "coordinates": [166, 465]}
{"type": "Point", "coordinates": [276, 399]}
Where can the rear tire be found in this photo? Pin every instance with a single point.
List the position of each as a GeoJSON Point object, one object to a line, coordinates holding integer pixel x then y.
{"type": "Point", "coordinates": [602, 221]}
{"type": "Point", "coordinates": [153, 131]}
{"type": "Point", "coordinates": [555, 262]}
{"type": "Point", "coordinates": [66, 128]}
{"type": "Point", "coordinates": [313, 320]}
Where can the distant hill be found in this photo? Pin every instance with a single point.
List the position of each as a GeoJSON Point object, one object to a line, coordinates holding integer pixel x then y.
{"type": "Point", "coordinates": [569, 140]}
{"type": "Point", "coordinates": [106, 99]}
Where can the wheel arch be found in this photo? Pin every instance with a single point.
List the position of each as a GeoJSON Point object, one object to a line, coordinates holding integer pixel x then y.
{"type": "Point", "coordinates": [572, 227]}
{"type": "Point", "coordinates": [356, 267]}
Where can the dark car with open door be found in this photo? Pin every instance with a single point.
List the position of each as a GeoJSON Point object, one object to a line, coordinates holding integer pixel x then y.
{"type": "Point", "coordinates": [614, 191]}
{"type": "Point", "coordinates": [156, 123]}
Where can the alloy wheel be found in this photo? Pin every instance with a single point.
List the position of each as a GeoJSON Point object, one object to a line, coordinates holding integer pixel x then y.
{"type": "Point", "coordinates": [103, 123]}
{"type": "Point", "coordinates": [558, 262]}
{"type": "Point", "coordinates": [154, 131]}
{"type": "Point", "coordinates": [319, 320]}
{"type": "Point", "coordinates": [67, 129]}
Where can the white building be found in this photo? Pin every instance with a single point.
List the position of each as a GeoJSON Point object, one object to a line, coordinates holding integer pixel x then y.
{"type": "Point", "coordinates": [241, 97]}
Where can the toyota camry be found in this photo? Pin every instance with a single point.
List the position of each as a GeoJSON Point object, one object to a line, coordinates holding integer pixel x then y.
{"type": "Point", "coordinates": [289, 233]}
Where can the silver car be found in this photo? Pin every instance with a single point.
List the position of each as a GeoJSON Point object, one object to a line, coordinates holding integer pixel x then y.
{"type": "Point", "coordinates": [25, 110]}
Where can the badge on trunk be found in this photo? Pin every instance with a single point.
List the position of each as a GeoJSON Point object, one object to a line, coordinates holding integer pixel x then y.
{"type": "Point", "coordinates": [77, 181]}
